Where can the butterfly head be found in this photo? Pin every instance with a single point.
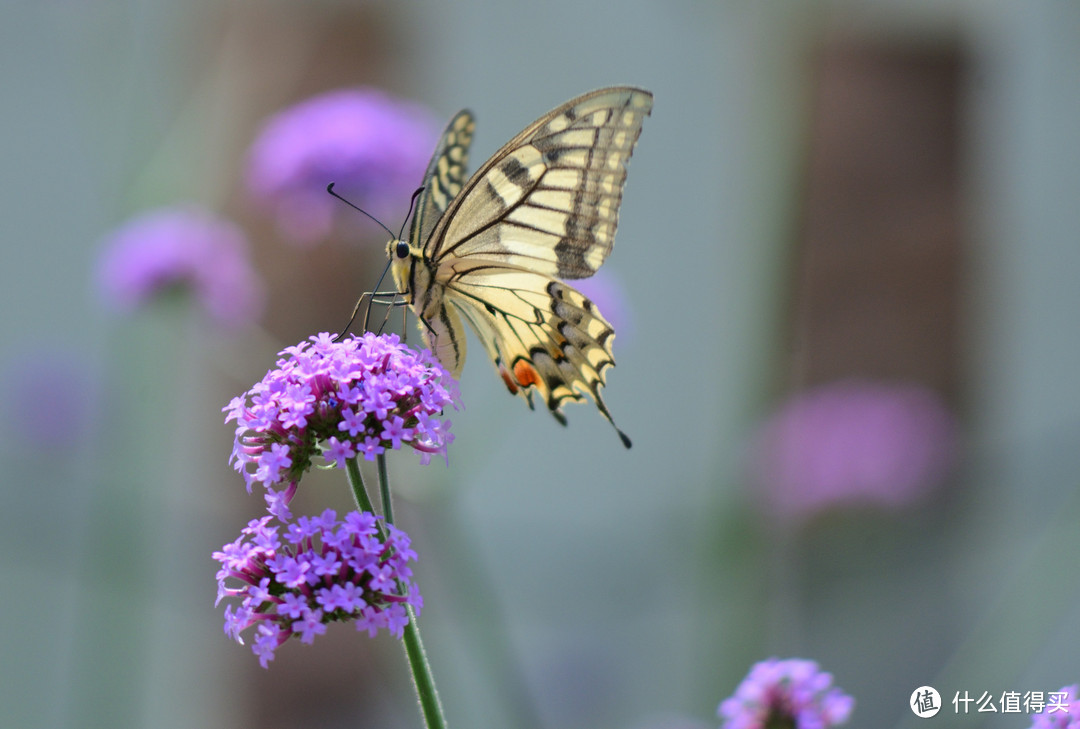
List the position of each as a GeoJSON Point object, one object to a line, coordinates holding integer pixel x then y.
{"type": "Point", "coordinates": [401, 256]}
{"type": "Point", "coordinates": [398, 249]}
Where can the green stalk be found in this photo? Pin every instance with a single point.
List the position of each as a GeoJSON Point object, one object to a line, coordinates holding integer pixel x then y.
{"type": "Point", "coordinates": [421, 673]}
{"type": "Point", "coordinates": [384, 488]}
{"type": "Point", "coordinates": [352, 468]}
{"type": "Point", "coordinates": [423, 680]}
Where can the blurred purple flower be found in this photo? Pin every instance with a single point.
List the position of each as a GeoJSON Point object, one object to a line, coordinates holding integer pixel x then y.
{"type": "Point", "coordinates": [605, 290]}
{"type": "Point", "coordinates": [51, 398]}
{"type": "Point", "coordinates": [319, 571]}
{"type": "Point", "coordinates": [362, 395]}
{"type": "Point", "coordinates": [373, 146]}
{"type": "Point", "coordinates": [786, 693]}
{"type": "Point", "coordinates": [187, 249]}
{"type": "Point", "coordinates": [852, 442]}
{"type": "Point", "coordinates": [1062, 710]}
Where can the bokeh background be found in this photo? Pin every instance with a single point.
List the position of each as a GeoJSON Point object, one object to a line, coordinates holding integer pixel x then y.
{"type": "Point", "coordinates": [829, 198]}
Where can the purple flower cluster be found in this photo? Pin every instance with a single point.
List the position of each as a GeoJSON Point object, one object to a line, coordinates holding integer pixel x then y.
{"type": "Point", "coordinates": [852, 442]}
{"type": "Point", "coordinates": [373, 146]}
{"type": "Point", "coordinates": [1062, 712]}
{"type": "Point", "coordinates": [317, 571]}
{"type": "Point", "coordinates": [361, 395]}
{"type": "Point", "coordinates": [187, 249]}
{"type": "Point", "coordinates": [791, 692]}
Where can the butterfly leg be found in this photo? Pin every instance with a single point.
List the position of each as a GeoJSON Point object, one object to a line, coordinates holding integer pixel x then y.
{"type": "Point", "coordinates": [388, 298]}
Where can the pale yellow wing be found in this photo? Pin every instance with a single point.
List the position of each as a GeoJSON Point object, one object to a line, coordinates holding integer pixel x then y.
{"type": "Point", "coordinates": [544, 336]}
{"type": "Point", "coordinates": [445, 175]}
{"type": "Point", "coordinates": [543, 208]}
{"type": "Point", "coordinates": [549, 199]}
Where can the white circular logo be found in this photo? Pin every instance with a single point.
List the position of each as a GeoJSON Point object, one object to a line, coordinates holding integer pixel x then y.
{"type": "Point", "coordinates": [925, 702]}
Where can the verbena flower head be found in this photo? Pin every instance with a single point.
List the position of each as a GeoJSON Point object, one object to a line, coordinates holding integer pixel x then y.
{"type": "Point", "coordinates": [852, 442]}
{"type": "Point", "coordinates": [294, 579]}
{"type": "Point", "coordinates": [360, 396]}
{"type": "Point", "coordinates": [1062, 710]}
{"type": "Point", "coordinates": [373, 146]}
{"type": "Point", "coordinates": [791, 693]}
{"type": "Point", "coordinates": [185, 249]}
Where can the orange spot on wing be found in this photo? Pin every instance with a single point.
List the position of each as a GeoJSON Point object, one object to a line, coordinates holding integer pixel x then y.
{"type": "Point", "coordinates": [510, 385]}
{"type": "Point", "coordinates": [525, 373]}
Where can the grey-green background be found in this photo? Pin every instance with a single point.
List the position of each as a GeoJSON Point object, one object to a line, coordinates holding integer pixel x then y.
{"type": "Point", "coordinates": [568, 583]}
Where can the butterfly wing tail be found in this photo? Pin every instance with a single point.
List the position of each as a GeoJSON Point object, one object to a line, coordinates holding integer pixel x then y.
{"type": "Point", "coordinates": [607, 414]}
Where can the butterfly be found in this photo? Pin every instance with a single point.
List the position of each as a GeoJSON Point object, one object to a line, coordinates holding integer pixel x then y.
{"type": "Point", "coordinates": [495, 250]}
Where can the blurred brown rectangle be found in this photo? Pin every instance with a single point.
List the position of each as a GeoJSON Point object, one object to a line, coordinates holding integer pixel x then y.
{"type": "Point", "coordinates": [877, 277]}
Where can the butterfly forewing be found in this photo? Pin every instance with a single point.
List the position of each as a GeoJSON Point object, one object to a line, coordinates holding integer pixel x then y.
{"type": "Point", "coordinates": [550, 197]}
{"type": "Point", "coordinates": [445, 175]}
{"type": "Point", "coordinates": [543, 208]}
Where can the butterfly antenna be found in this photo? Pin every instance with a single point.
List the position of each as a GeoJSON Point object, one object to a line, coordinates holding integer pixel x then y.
{"type": "Point", "coordinates": [412, 204]}
{"type": "Point", "coordinates": [330, 189]}
{"type": "Point", "coordinates": [368, 296]}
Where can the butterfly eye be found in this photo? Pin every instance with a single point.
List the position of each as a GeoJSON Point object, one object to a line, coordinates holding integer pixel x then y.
{"type": "Point", "coordinates": [402, 249]}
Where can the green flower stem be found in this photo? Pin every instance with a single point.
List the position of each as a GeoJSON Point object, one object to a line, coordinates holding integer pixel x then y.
{"type": "Point", "coordinates": [360, 491]}
{"type": "Point", "coordinates": [384, 488]}
{"type": "Point", "coordinates": [423, 679]}
{"type": "Point", "coordinates": [421, 673]}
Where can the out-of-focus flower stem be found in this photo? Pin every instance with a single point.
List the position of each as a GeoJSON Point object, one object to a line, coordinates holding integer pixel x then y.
{"type": "Point", "coordinates": [423, 680]}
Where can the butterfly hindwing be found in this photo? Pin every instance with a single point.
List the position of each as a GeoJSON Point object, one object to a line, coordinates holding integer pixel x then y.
{"type": "Point", "coordinates": [544, 336]}
{"type": "Point", "coordinates": [445, 337]}
{"type": "Point", "coordinates": [493, 249]}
